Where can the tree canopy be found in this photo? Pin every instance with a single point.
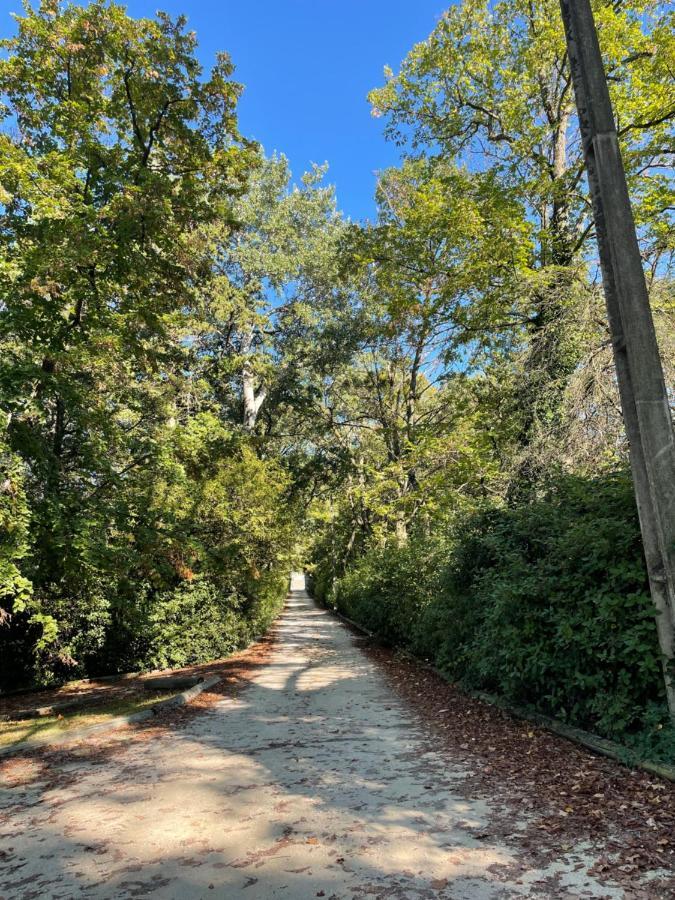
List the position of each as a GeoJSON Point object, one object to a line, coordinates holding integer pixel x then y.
{"type": "Point", "coordinates": [208, 374]}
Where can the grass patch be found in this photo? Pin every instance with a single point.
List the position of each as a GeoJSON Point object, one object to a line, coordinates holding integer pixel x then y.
{"type": "Point", "coordinates": [17, 732]}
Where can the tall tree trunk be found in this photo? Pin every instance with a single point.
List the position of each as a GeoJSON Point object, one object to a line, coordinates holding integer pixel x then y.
{"type": "Point", "coordinates": [253, 399]}
{"type": "Point", "coordinates": [562, 241]}
{"type": "Point", "coordinates": [644, 398]}
{"type": "Point", "coordinates": [554, 348]}
{"type": "Point", "coordinates": [401, 530]}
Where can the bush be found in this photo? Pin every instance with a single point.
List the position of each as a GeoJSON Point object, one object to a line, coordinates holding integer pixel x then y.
{"type": "Point", "coordinates": [388, 590]}
{"type": "Point", "coordinates": [545, 603]}
{"type": "Point", "coordinates": [551, 607]}
{"type": "Point", "coordinates": [184, 564]}
{"type": "Point", "coordinates": [196, 623]}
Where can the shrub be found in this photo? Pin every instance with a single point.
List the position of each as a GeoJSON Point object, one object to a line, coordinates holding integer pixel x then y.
{"type": "Point", "coordinates": [545, 603]}
{"type": "Point", "coordinates": [388, 589]}
{"type": "Point", "coordinates": [551, 606]}
{"type": "Point", "coordinates": [186, 564]}
{"type": "Point", "coordinates": [196, 623]}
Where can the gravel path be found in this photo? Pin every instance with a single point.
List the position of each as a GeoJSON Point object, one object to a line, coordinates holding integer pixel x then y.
{"type": "Point", "coordinates": [316, 779]}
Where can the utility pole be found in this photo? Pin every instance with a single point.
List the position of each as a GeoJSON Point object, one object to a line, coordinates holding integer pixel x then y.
{"type": "Point", "coordinates": [644, 400]}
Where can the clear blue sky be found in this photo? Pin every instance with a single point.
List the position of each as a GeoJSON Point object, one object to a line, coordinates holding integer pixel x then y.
{"type": "Point", "coordinates": [307, 66]}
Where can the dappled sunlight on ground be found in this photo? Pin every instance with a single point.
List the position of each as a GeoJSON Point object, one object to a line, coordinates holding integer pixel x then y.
{"type": "Point", "coordinates": [315, 780]}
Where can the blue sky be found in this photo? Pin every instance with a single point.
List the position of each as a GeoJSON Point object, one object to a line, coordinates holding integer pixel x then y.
{"type": "Point", "coordinates": [307, 66]}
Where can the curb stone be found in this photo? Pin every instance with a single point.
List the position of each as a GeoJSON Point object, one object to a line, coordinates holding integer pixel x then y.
{"type": "Point", "coordinates": [113, 724]}
{"type": "Point", "coordinates": [38, 712]}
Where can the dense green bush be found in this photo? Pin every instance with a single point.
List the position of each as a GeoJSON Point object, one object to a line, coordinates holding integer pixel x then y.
{"type": "Point", "coordinates": [388, 589]}
{"type": "Point", "coordinates": [560, 610]}
{"type": "Point", "coordinates": [194, 566]}
{"type": "Point", "coordinates": [544, 603]}
{"type": "Point", "coordinates": [197, 623]}
{"type": "Point", "coordinates": [319, 580]}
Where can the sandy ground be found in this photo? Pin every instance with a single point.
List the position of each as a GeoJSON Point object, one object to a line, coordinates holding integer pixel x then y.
{"type": "Point", "coordinates": [314, 780]}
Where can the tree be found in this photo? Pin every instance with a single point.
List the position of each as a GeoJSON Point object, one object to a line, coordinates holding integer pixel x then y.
{"type": "Point", "coordinates": [115, 150]}
{"type": "Point", "coordinates": [492, 84]}
{"type": "Point", "coordinates": [264, 282]}
{"type": "Point", "coordinates": [445, 249]}
{"type": "Point", "coordinates": [492, 81]}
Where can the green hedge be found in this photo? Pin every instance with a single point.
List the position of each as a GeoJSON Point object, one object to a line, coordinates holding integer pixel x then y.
{"type": "Point", "coordinates": [545, 603]}
{"type": "Point", "coordinates": [186, 561]}
{"type": "Point", "coordinates": [197, 623]}
{"type": "Point", "coordinates": [388, 589]}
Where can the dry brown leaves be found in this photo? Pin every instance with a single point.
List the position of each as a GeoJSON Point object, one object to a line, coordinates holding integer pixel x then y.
{"type": "Point", "coordinates": [569, 794]}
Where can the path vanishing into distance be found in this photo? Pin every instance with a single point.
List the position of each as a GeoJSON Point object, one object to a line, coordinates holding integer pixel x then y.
{"type": "Point", "coordinates": [314, 777]}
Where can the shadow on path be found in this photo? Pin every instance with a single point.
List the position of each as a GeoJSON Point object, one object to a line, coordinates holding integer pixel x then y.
{"type": "Point", "coordinates": [313, 781]}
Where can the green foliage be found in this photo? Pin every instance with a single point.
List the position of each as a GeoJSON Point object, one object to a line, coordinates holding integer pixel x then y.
{"type": "Point", "coordinates": [562, 613]}
{"type": "Point", "coordinates": [120, 480]}
{"type": "Point", "coordinates": [491, 84]}
{"type": "Point", "coordinates": [388, 589]}
{"type": "Point", "coordinates": [269, 286]}
{"type": "Point", "coordinates": [193, 624]}
{"type": "Point", "coordinates": [544, 603]}
{"type": "Point", "coordinates": [196, 622]}
{"type": "Point", "coordinates": [15, 590]}
{"type": "Point", "coordinates": [492, 80]}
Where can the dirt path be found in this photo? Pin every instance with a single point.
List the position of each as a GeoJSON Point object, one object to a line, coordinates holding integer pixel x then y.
{"type": "Point", "coordinates": [315, 780]}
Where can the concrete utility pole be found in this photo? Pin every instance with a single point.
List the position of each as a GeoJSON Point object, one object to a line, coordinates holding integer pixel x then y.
{"type": "Point", "coordinates": [636, 356]}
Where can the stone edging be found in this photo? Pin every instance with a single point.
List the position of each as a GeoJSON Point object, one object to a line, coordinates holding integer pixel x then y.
{"type": "Point", "coordinates": [603, 746]}
{"type": "Point", "coordinates": [79, 734]}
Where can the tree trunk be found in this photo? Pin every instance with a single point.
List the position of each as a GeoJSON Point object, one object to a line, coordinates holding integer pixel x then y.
{"type": "Point", "coordinates": [401, 530]}
{"type": "Point", "coordinates": [642, 387]}
{"type": "Point", "coordinates": [253, 399]}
